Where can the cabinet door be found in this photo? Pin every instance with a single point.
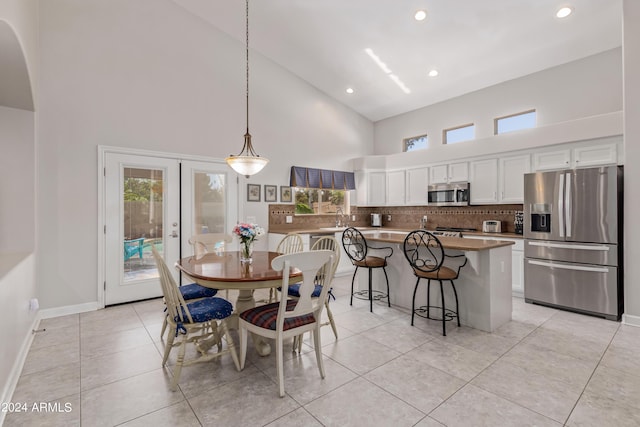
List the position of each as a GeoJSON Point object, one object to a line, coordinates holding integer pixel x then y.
{"type": "Point", "coordinates": [517, 273]}
{"type": "Point", "coordinates": [439, 174]}
{"type": "Point", "coordinates": [511, 178]}
{"type": "Point", "coordinates": [362, 192]}
{"type": "Point", "coordinates": [549, 160]}
{"type": "Point", "coordinates": [459, 172]}
{"type": "Point", "coordinates": [484, 181]}
{"type": "Point", "coordinates": [596, 156]}
{"type": "Point", "coordinates": [395, 188]}
{"type": "Point", "coordinates": [377, 184]}
{"type": "Point", "coordinates": [416, 187]}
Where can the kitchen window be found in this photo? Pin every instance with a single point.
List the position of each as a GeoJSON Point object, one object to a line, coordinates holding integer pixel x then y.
{"type": "Point", "coordinates": [415, 143]}
{"type": "Point", "coordinates": [321, 191]}
{"type": "Point", "coordinates": [459, 134]}
{"type": "Point", "coordinates": [513, 122]}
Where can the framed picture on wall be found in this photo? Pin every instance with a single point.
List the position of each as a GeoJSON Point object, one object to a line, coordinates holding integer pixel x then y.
{"type": "Point", "coordinates": [270, 193]}
{"type": "Point", "coordinates": [253, 192]}
{"type": "Point", "coordinates": [285, 194]}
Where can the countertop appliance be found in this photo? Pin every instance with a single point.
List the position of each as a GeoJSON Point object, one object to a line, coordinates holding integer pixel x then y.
{"type": "Point", "coordinates": [492, 226]}
{"type": "Point", "coordinates": [573, 240]}
{"type": "Point", "coordinates": [451, 231]}
{"type": "Point", "coordinates": [376, 220]}
{"type": "Point", "coordinates": [452, 194]}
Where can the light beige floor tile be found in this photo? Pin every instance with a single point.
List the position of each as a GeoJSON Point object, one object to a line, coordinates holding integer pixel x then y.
{"type": "Point", "coordinates": [530, 313]}
{"type": "Point", "coordinates": [60, 322]}
{"type": "Point", "coordinates": [109, 326]}
{"type": "Point", "coordinates": [418, 384]}
{"type": "Point", "coordinates": [429, 422]}
{"type": "Point", "coordinates": [326, 335]}
{"type": "Point", "coordinates": [55, 336]}
{"type": "Point", "coordinates": [620, 386]}
{"type": "Point", "coordinates": [297, 418]}
{"type": "Point", "coordinates": [623, 359]}
{"type": "Point", "coordinates": [452, 359]}
{"type": "Point", "coordinates": [360, 354]}
{"type": "Point", "coordinates": [253, 400]}
{"type": "Point", "coordinates": [473, 406]}
{"type": "Point", "coordinates": [152, 305]}
{"type": "Point", "coordinates": [359, 320]}
{"type": "Point", "coordinates": [63, 412]}
{"type": "Point", "coordinates": [128, 399]}
{"type": "Point", "coordinates": [547, 396]}
{"type": "Point", "coordinates": [596, 410]}
{"type": "Point", "coordinates": [567, 343]}
{"type": "Point", "coordinates": [479, 341]}
{"type": "Point", "coordinates": [119, 313]}
{"type": "Point", "coordinates": [112, 367]}
{"type": "Point", "coordinates": [53, 383]}
{"type": "Point", "coordinates": [538, 360]}
{"type": "Point", "coordinates": [398, 335]}
{"type": "Point", "coordinates": [153, 329]}
{"type": "Point", "coordinates": [302, 379]}
{"type": "Point", "coordinates": [178, 415]}
{"type": "Point", "coordinates": [514, 329]}
{"type": "Point", "coordinates": [359, 404]}
{"type": "Point", "coordinates": [112, 342]}
{"type": "Point", "coordinates": [586, 327]}
{"type": "Point", "coordinates": [43, 359]}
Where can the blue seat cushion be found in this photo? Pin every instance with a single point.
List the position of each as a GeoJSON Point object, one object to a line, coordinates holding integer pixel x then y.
{"type": "Point", "coordinates": [294, 290]}
{"type": "Point", "coordinates": [207, 309]}
{"type": "Point", "coordinates": [194, 291]}
{"type": "Point", "coordinates": [265, 316]}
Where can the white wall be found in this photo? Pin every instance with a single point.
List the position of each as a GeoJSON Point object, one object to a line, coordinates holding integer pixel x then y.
{"type": "Point", "coordinates": [17, 212]}
{"type": "Point", "coordinates": [587, 87]}
{"type": "Point", "coordinates": [631, 46]}
{"type": "Point", "coordinates": [149, 75]}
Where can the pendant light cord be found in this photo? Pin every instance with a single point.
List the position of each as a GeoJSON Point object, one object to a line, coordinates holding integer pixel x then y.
{"type": "Point", "coordinates": [247, 53]}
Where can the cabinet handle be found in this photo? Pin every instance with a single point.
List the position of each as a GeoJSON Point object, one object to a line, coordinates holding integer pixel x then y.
{"type": "Point", "coordinates": [495, 195]}
{"type": "Point", "coordinates": [502, 195]}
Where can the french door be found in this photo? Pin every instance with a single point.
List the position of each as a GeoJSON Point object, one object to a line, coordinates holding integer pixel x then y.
{"type": "Point", "coordinates": [158, 202]}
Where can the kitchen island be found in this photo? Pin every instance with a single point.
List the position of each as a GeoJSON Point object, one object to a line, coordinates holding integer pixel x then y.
{"type": "Point", "coordinates": [484, 285]}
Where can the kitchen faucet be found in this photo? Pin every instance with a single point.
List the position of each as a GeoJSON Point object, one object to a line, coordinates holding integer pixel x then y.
{"type": "Point", "coordinates": [339, 217]}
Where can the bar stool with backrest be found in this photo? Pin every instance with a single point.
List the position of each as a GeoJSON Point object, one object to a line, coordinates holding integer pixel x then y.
{"type": "Point", "coordinates": [426, 255]}
{"type": "Point", "coordinates": [355, 245]}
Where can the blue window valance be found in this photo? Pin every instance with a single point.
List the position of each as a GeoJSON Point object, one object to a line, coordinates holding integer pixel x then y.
{"type": "Point", "coordinates": [322, 178]}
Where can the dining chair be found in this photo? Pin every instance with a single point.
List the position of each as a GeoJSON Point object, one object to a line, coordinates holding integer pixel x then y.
{"type": "Point", "coordinates": [357, 249]}
{"type": "Point", "coordinates": [291, 317]}
{"type": "Point", "coordinates": [323, 243]}
{"type": "Point", "coordinates": [426, 255]}
{"type": "Point", "coordinates": [134, 247]}
{"type": "Point", "coordinates": [290, 244]}
{"type": "Point", "coordinates": [209, 242]}
{"type": "Point", "coordinates": [201, 322]}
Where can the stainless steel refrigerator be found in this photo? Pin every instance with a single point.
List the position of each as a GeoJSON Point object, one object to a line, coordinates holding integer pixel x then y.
{"type": "Point", "coordinates": [573, 240]}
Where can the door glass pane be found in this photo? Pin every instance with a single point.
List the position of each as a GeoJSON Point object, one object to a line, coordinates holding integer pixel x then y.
{"type": "Point", "coordinates": [143, 221]}
{"type": "Point", "coordinates": [209, 210]}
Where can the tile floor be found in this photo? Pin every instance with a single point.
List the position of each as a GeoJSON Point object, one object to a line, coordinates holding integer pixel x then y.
{"type": "Point", "coordinates": [545, 368]}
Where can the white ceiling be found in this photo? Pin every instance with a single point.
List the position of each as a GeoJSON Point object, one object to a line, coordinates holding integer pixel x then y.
{"type": "Point", "coordinates": [473, 44]}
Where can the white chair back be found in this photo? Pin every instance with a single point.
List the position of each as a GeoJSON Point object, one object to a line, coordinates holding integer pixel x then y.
{"type": "Point", "coordinates": [329, 243]}
{"type": "Point", "coordinates": [172, 296]}
{"type": "Point", "coordinates": [205, 243]}
{"type": "Point", "coordinates": [291, 243]}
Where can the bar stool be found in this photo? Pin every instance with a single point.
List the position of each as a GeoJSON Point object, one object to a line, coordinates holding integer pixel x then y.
{"type": "Point", "coordinates": [426, 255]}
{"type": "Point", "coordinates": [355, 245]}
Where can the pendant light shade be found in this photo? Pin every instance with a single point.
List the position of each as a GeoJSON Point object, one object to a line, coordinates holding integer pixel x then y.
{"type": "Point", "coordinates": [247, 163]}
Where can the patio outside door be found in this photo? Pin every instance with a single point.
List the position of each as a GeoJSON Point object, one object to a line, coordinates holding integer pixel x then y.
{"type": "Point", "coordinates": [142, 210]}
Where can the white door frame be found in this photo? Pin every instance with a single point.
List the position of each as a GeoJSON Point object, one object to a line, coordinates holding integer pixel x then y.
{"type": "Point", "coordinates": [100, 227]}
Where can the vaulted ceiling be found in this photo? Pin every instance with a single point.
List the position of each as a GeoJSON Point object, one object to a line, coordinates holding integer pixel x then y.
{"type": "Point", "coordinates": [333, 44]}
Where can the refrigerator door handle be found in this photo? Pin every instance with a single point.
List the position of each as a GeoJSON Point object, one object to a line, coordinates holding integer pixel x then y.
{"type": "Point", "coordinates": [561, 205]}
{"type": "Point", "coordinates": [563, 246]}
{"type": "Point", "coordinates": [567, 203]}
{"type": "Point", "coordinates": [569, 266]}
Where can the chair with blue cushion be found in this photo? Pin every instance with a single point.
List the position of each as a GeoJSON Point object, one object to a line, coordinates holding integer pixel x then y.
{"type": "Point", "coordinates": [289, 318]}
{"type": "Point", "coordinates": [201, 322]}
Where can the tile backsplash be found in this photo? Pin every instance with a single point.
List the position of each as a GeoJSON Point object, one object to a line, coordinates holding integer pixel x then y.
{"type": "Point", "coordinates": [402, 216]}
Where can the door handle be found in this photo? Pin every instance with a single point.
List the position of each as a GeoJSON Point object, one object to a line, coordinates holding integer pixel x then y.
{"type": "Point", "coordinates": [174, 234]}
{"type": "Point", "coordinates": [567, 198]}
{"type": "Point", "coordinates": [570, 267]}
{"type": "Point", "coordinates": [561, 205]}
{"type": "Point", "coordinates": [562, 246]}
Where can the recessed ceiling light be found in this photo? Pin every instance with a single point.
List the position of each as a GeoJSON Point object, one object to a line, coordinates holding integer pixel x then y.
{"type": "Point", "coordinates": [349, 90]}
{"type": "Point", "coordinates": [563, 12]}
{"type": "Point", "coordinates": [433, 73]}
{"type": "Point", "coordinates": [420, 15]}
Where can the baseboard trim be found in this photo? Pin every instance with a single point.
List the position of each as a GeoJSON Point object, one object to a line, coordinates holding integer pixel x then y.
{"type": "Point", "coordinates": [16, 370]}
{"type": "Point", "coordinates": [68, 309]}
{"type": "Point", "coordinates": [630, 320]}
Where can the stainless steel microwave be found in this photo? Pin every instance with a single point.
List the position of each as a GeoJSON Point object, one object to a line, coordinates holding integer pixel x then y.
{"type": "Point", "coordinates": [454, 194]}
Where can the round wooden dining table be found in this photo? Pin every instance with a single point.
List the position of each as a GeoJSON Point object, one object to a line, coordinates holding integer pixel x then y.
{"type": "Point", "coordinates": [225, 271]}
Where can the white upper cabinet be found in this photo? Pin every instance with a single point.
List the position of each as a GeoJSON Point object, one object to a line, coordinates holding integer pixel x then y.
{"type": "Point", "coordinates": [511, 178]}
{"type": "Point", "coordinates": [416, 186]}
{"type": "Point", "coordinates": [453, 172]}
{"type": "Point", "coordinates": [377, 188]}
{"type": "Point", "coordinates": [362, 191]}
{"type": "Point", "coordinates": [596, 155]}
{"type": "Point", "coordinates": [549, 160]}
{"type": "Point", "coordinates": [396, 188]}
{"type": "Point", "coordinates": [484, 181]}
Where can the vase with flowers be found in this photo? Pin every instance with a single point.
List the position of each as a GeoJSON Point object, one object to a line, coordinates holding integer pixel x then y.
{"type": "Point", "coordinates": [247, 234]}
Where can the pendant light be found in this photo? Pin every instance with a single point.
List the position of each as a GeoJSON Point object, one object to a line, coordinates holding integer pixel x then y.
{"type": "Point", "coordinates": [247, 162]}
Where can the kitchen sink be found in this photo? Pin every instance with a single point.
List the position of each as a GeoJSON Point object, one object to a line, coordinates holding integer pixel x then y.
{"type": "Point", "coordinates": [333, 228]}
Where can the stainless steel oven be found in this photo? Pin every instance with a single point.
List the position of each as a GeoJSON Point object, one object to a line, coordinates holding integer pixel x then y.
{"type": "Point", "coordinates": [454, 194]}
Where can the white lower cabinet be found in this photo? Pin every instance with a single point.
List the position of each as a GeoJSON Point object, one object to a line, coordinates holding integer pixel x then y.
{"type": "Point", "coordinates": [517, 263]}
